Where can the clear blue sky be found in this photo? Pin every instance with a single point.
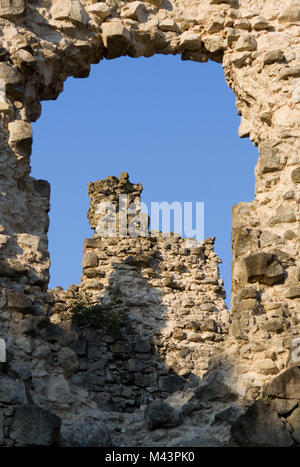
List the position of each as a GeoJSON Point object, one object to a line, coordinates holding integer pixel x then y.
{"type": "Point", "coordinates": [171, 124]}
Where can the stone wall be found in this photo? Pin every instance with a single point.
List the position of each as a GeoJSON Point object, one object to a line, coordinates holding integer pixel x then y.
{"type": "Point", "coordinates": [45, 41]}
{"type": "Point", "coordinates": [172, 297]}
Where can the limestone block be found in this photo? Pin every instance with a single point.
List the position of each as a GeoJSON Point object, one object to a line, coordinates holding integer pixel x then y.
{"type": "Point", "coordinates": [269, 160]}
{"type": "Point", "coordinates": [190, 40]}
{"type": "Point", "coordinates": [296, 175]}
{"type": "Point", "coordinates": [267, 367]}
{"type": "Point", "coordinates": [273, 56]}
{"type": "Point", "coordinates": [69, 10]}
{"type": "Point", "coordinates": [259, 23]}
{"type": "Point", "coordinates": [246, 43]}
{"type": "Point", "coordinates": [244, 128]}
{"type": "Point", "coordinates": [23, 57]}
{"type": "Point", "coordinates": [116, 39]}
{"type": "Point", "coordinates": [11, 9]}
{"type": "Point", "coordinates": [20, 132]}
{"type": "Point", "coordinates": [10, 75]}
{"type": "Point", "coordinates": [134, 10]}
{"type": "Point", "coordinates": [168, 24]}
{"type": "Point", "coordinates": [101, 10]}
{"type": "Point", "coordinates": [284, 214]}
{"type": "Point", "coordinates": [214, 43]}
{"type": "Point", "coordinates": [242, 23]}
{"type": "Point", "coordinates": [291, 13]}
{"type": "Point", "coordinates": [90, 260]}
{"type": "Point", "coordinates": [287, 121]}
{"type": "Point", "coordinates": [240, 59]}
{"type": "Point", "coordinates": [285, 386]}
{"type": "Point", "coordinates": [264, 268]}
{"type": "Point", "coordinates": [293, 292]}
{"type": "Point", "coordinates": [232, 35]}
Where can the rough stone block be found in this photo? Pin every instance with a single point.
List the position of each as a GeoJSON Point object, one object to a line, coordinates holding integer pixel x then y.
{"type": "Point", "coordinates": [18, 301]}
{"type": "Point", "coordinates": [69, 10]}
{"type": "Point", "coordinates": [291, 13]}
{"type": "Point", "coordinates": [116, 39]}
{"type": "Point", "coordinates": [296, 175]}
{"type": "Point", "coordinates": [11, 9]}
{"type": "Point", "coordinates": [88, 434]}
{"type": "Point", "coordinates": [264, 268]}
{"type": "Point", "coordinates": [160, 414]}
{"type": "Point", "coordinates": [260, 426]}
{"type": "Point", "coordinates": [20, 135]}
{"type": "Point", "coordinates": [33, 426]}
{"type": "Point", "coordinates": [12, 391]}
{"type": "Point", "coordinates": [285, 386]}
{"type": "Point", "coordinates": [90, 260]}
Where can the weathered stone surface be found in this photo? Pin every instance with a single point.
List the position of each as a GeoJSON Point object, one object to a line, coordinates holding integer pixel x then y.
{"type": "Point", "coordinates": [18, 301]}
{"type": "Point", "coordinates": [269, 160]}
{"type": "Point", "coordinates": [58, 390]}
{"type": "Point", "coordinates": [283, 406]}
{"type": "Point", "coordinates": [273, 56]}
{"type": "Point", "coordinates": [11, 9]}
{"type": "Point", "coordinates": [291, 12]}
{"type": "Point", "coordinates": [70, 10]}
{"type": "Point", "coordinates": [89, 434]}
{"type": "Point", "coordinates": [264, 268]}
{"type": "Point", "coordinates": [68, 361]}
{"type": "Point", "coordinates": [214, 389]}
{"type": "Point", "coordinates": [116, 39]}
{"type": "Point", "coordinates": [12, 391]}
{"type": "Point", "coordinates": [296, 175]}
{"type": "Point", "coordinates": [20, 134]}
{"type": "Point", "coordinates": [294, 421]}
{"type": "Point", "coordinates": [33, 426]}
{"type": "Point", "coordinates": [260, 426]}
{"type": "Point", "coordinates": [171, 383]}
{"type": "Point", "coordinates": [286, 385]}
{"type": "Point", "coordinates": [159, 414]}
{"type": "Point", "coordinates": [90, 260]}
{"type": "Point", "coordinates": [293, 292]}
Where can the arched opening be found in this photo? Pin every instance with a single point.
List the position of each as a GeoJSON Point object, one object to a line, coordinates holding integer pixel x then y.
{"type": "Point", "coordinates": [171, 125]}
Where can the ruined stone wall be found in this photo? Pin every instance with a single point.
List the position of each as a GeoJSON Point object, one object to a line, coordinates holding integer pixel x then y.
{"type": "Point", "coordinates": [168, 287]}
{"type": "Point", "coordinates": [42, 43]}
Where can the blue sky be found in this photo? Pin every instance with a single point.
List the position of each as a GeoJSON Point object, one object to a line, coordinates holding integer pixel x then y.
{"type": "Point", "coordinates": [171, 124]}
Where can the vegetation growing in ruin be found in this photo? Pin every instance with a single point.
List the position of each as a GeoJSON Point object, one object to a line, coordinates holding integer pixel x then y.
{"type": "Point", "coordinates": [109, 317]}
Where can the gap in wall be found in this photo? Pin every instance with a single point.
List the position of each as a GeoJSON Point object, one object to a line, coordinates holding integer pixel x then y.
{"type": "Point", "coordinates": [171, 124]}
